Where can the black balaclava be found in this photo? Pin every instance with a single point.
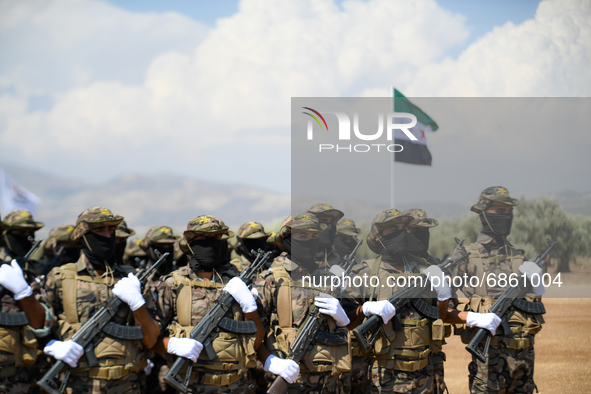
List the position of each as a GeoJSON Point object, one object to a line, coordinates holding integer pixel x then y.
{"type": "Point", "coordinates": [325, 241]}
{"type": "Point", "coordinates": [99, 250]}
{"type": "Point", "coordinates": [496, 224]}
{"type": "Point", "coordinates": [17, 244]}
{"type": "Point", "coordinates": [165, 267]}
{"type": "Point", "coordinates": [246, 245]}
{"type": "Point", "coordinates": [302, 252]}
{"type": "Point", "coordinates": [120, 251]}
{"type": "Point", "coordinates": [418, 242]}
{"type": "Point", "coordinates": [207, 254]}
{"type": "Point", "coordinates": [69, 255]}
{"type": "Point", "coordinates": [394, 245]}
{"type": "Point", "coordinates": [343, 248]}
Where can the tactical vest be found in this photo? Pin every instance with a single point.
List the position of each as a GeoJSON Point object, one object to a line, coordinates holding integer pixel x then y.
{"type": "Point", "coordinates": [523, 325]}
{"type": "Point", "coordinates": [117, 357]}
{"type": "Point", "coordinates": [325, 357]}
{"type": "Point", "coordinates": [405, 349]}
{"type": "Point", "coordinates": [236, 353]}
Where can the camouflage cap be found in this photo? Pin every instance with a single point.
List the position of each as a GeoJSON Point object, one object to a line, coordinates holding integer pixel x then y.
{"type": "Point", "coordinates": [252, 230]}
{"type": "Point", "coordinates": [491, 195]}
{"type": "Point", "coordinates": [21, 218]}
{"type": "Point", "coordinates": [206, 224]}
{"type": "Point", "coordinates": [347, 226]}
{"type": "Point", "coordinates": [322, 209]}
{"type": "Point", "coordinates": [383, 220]}
{"type": "Point", "coordinates": [420, 218]}
{"type": "Point", "coordinates": [158, 235]}
{"type": "Point", "coordinates": [59, 234]}
{"type": "Point", "coordinates": [298, 221]}
{"type": "Point", "coordinates": [92, 218]}
{"type": "Point", "coordinates": [123, 231]}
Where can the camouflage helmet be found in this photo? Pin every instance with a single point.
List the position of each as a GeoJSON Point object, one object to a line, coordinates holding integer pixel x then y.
{"type": "Point", "coordinates": [158, 235]}
{"type": "Point", "coordinates": [347, 227]}
{"type": "Point", "coordinates": [420, 218]}
{"type": "Point", "coordinates": [123, 231]}
{"type": "Point", "coordinates": [20, 218]}
{"type": "Point", "coordinates": [92, 218]}
{"type": "Point", "coordinates": [322, 210]}
{"type": "Point", "coordinates": [383, 220]}
{"type": "Point", "coordinates": [491, 195]}
{"type": "Point", "coordinates": [298, 221]}
{"type": "Point", "coordinates": [252, 230]}
{"type": "Point", "coordinates": [59, 234]}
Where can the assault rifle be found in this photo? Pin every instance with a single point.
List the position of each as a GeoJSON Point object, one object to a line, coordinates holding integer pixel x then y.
{"type": "Point", "coordinates": [410, 294]}
{"type": "Point", "coordinates": [311, 331]}
{"type": "Point", "coordinates": [214, 320]}
{"type": "Point", "coordinates": [512, 297]}
{"type": "Point", "coordinates": [99, 324]}
{"type": "Point", "coordinates": [21, 261]}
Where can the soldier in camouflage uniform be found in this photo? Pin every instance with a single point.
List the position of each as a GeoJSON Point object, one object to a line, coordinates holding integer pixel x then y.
{"type": "Point", "coordinates": [58, 244]}
{"type": "Point", "coordinates": [134, 255]}
{"type": "Point", "coordinates": [122, 234]}
{"type": "Point", "coordinates": [272, 245]}
{"type": "Point", "coordinates": [329, 216]}
{"type": "Point", "coordinates": [17, 239]}
{"type": "Point", "coordinates": [509, 367]}
{"type": "Point", "coordinates": [285, 300]}
{"type": "Point", "coordinates": [250, 236]}
{"type": "Point", "coordinates": [78, 290]}
{"type": "Point", "coordinates": [21, 294]}
{"type": "Point", "coordinates": [193, 290]}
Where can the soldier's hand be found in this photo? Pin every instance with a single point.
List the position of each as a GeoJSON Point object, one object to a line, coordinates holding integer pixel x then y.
{"type": "Point", "coordinates": [287, 369]}
{"type": "Point", "coordinates": [68, 352]}
{"type": "Point", "coordinates": [438, 282]}
{"type": "Point", "coordinates": [129, 290]}
{"type": "Point", "coordinates": [530, 269]}
{"type": "Point", "coordinates": [11, 277]}
{"type": "Point", "coordinates": [241, 293]}
{"type": "Point", "coordinates": [331, 306]}
{"type": "Point", "coordinates": [488, 321]}
{"type": "Point", "coordinates": [383, 308]}
{"type": "Point", "coordinates": [185, 347]}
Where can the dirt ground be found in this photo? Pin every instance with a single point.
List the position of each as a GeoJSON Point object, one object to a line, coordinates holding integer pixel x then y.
{"type": "Point", "coordinates": [563, 347]}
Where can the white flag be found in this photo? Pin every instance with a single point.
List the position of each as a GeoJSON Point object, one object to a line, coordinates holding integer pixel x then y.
{"type": "Point", "coordinates": [14, 196]}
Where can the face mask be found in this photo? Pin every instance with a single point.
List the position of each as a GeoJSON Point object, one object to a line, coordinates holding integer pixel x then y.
{"type": "Point", "coordinates": [247, 245]}
{"type": "Point", "coordinates": [496, 224]}
{"type": "Point", "coordinates": [165, 267]}
{"type": "Point", "coordinates": [327, 237]}
{"type": "Point", "coordinates": [395, 245]}
{"type": "Point", "coordinates": [99, 250]}
{"type": "Point", "coordinates": [303, 252]}
{"type": "Point", "coordinates": [344, 247]}
{"type": "Point", "coordinates": [69, 255]}
{"type": "Point", "coordinates": [17, 244]}
{"type": "Point", "coordinates": [120, 251]}
{"type": "Point", "coordinates": [207, 254]}
{"type": "Point", "coordinates": [418, 242]}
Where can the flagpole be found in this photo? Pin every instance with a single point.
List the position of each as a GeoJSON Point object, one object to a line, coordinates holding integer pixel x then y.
{"type": "Point", "coordinates": [393, 155]}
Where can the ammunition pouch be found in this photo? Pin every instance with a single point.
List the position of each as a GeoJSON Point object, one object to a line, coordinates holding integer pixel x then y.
{"type": "Point", "coordinates": [21, 343]}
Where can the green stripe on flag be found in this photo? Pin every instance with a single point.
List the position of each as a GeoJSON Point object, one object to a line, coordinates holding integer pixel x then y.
{"type": "Point", "coordinates": [402, 104]}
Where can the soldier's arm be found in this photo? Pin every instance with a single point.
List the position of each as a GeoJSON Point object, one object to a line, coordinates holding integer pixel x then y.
{"type": "Point", "coordinates": [34, 311]}
{"type": "Point", "coordinates": [166, 302]}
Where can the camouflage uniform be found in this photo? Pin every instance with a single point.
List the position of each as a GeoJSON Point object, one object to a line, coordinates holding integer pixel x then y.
{"type": "Point", "coordinates": [509, 367]}
{"type": "Point", "coordinates": [228, 372]}
{"type": "Point", "coordinates": [119, 360]}
{"type": "Point", "coordinates": [19, 345]}
{"type": "Point", "coordinates": [400, 357]}
{"type": "Point", "coordinates": [134, 255]}
{"type": "Point", "coordinates": [281, 289]}
{"type": "Point", "coordinates": [327, 214]}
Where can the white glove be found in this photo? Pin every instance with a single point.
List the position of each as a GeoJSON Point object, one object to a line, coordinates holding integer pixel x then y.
{"type": "Point", "coordinates": [242, 294]}
{"type": "Point", "coordinates": [529, 268]}
{"type": "Point", "coordinates": [129, 290]}
{"type": "Point", "coordinates": [383, 308]}
{"type": "Point", "coordinates": [287, 369]}
{"type": "Point", "coordinates": [149, 367]}
{"type": "Point", "coordinates": [11, 277]}
{"type": "Point", "coordinates": [488, 321]}
{"type": "Point", "coordinates": [185, 347]}
{"type": "Point", "coordinates": [332, 307]}
{"type": "Point", "coordinates": [68, 352]}
{"type": "Point", "coordinates": [441, 286]}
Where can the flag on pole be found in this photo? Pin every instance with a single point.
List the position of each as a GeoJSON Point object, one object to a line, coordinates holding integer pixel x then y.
{"type": "Point", "coordinates": [14, 196]}
{"type": "Point", "coordinates": [413, 152]}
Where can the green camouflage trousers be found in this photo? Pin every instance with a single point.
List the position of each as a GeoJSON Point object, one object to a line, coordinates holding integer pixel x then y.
{"type": "Point", "coordinates": [359, 369]}
{"type": "Point", "coordinates": [320, 383]}
{"type": "Point", "coordinates": [505, 371]}
{"type": "Point", "coordinates": [83, 385]}
{"type": "Point", "coordinates": [437, 360]}
{"type": "Point", "coordinates": [385, 380]}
